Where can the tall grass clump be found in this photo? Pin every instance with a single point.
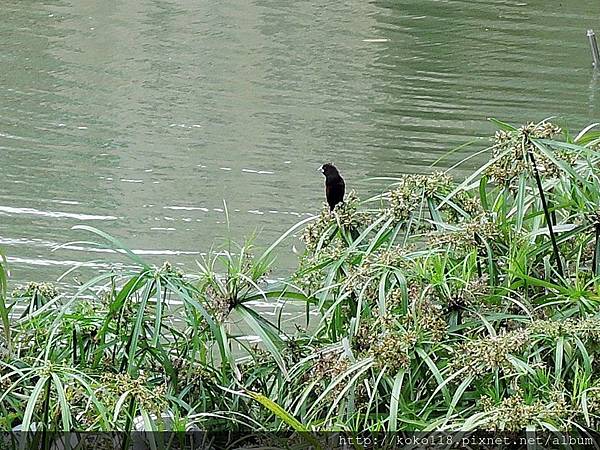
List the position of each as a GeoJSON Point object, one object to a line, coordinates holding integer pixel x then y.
{"type": "Point", "coordinates": [436, 305]}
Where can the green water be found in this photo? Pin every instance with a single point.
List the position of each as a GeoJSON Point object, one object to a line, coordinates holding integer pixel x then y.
{"type": "Point", "coordinates": [142, 117]}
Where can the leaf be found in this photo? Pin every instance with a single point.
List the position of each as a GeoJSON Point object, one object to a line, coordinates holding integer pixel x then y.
{"type": "Point", "coordinates": [32, 402]}
{"type": "Point", "coordinates": [65, 410]}
{"type": "Point", "coordinates": [4, 309]}
{"type": "Point", "coordinates": [394, 401]}
{"type": "Point", "coordinates": [502, 125]}
{"type": "Point", "coordinates": [272, 342]}
{"type": "Point", "coordinates": [285, 417]}
{"type": "Point", "coordinates": [558, 357]}
{"type": "Point", "coordinates": [435, 371]}
{"type": "Point", "coordinates": [471, 178]}
{"type": "Point", "coordinates": [583, 132]}
{"type": "Point", "coordinates": [521, 210]}
{"type": "Point", "coordinates": [137, 330]}
{"type": "Point", "coordinates": [115, 243]}
{"type": "Point", "coordinates": [268, 251]}
{"type": "Point", "coordinates": [460, 390]}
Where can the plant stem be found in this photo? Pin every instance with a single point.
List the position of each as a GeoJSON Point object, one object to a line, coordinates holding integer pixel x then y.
{"type": "Point", "coordinates": [74, 346]}
{"type": "Point", "coordinates": [596, 260]}
{"type": "Point", "coordinates": [45, 441]}
{"type": "Point", "coordinates": [547, 215]}
{"type": "Point", "coordinates": [479, 244]}
{"type": "Point", "coordinates": [130, 412]}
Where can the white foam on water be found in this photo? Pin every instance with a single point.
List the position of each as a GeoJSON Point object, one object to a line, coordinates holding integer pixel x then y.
{"type": "Point", "coordinates": [55, 214]}
{"type": "Point", "coordinates": [187, 208]}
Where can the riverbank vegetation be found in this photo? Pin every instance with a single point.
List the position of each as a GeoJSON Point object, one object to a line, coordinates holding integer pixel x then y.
{"type": "Point", "coordinates": [437, 305]}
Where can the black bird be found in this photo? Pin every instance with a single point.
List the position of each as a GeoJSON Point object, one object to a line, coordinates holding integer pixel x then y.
{"type": "Point", "coordinates": [335, 188]}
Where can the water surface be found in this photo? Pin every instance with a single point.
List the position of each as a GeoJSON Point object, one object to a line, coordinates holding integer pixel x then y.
{"type": "Point", "coordinates": [143, 118]}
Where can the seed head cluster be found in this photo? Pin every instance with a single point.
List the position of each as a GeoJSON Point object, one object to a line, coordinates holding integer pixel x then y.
{"type": "Point", "coordinates": [346, 215]}
{"type": "Point", "coordinates": [390, 340]}
{"type": "Point", "coordinates": [313, 232]}
{"type": "Point", "coordinates": [168, 269]}
{"type": "Point", "coordinates": [593, 399]}
{"type": "Point", "coordinates": [518, 145]}
{"type": "Point", "coordinates": [429, 318]}
{"type": "Point", "coordinates": [309, 280]}
{"type": "Point", "coordinates": [326, 367]}
{"type": "Point", "coordinates": [393, 349]}
{"type": "Point", "coordinates": [485, 355]}
{"type": "Point", "coordinates": [364, 277]}
{"type": "Point", "coordinates": [471, 294]}
{"type": "Point", "coordinates": [219, 304]}
{"type": "Point", "coordinates": [413, 189]}
{"type": "Point", "coordinates": [513, 413]}
{"type": "Point", "coordinates": [470, 234]}
{"type": "Point", "coordinates": [587, 329]}
{"type": "Point", "coordinates": [47, 291]}
{"type": "Point", "coordinates": [149, 398]}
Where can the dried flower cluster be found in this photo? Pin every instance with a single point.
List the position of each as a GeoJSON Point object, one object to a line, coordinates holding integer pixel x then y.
{"type": "Point", "coordinates": [327, 363]}
{"type": "Point", "coordinates": [309, 280]}
{"type": "Point", "coordinates": [468, 203]}
{"type": "Point", "coordinates": [593, 218]}
{"type": "Point", "coordinates": [385, 341]}
{"type": "Point", "coordinates": [314, 231]}
{"type": "Point", "coordinates": [346, 214]}
{"type": "Point", "coordinates": [391, 341]}
{"type": "Point", "coordinates": [395, 299]}
{"type": "Point", "coordinates": [593, 400]}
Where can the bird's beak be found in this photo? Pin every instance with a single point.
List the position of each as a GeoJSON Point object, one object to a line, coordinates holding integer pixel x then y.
{"type": "Point", "coordinates": [320, 169]}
